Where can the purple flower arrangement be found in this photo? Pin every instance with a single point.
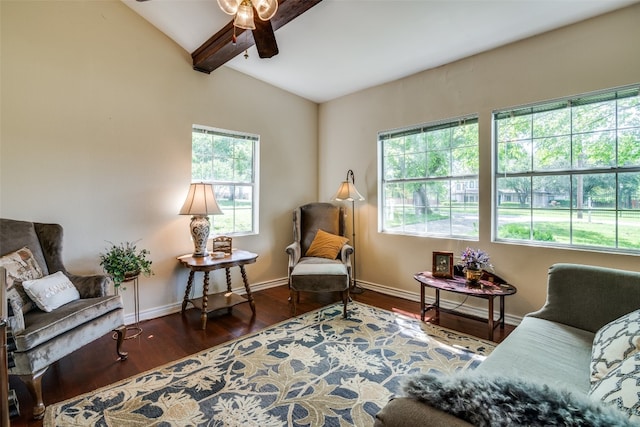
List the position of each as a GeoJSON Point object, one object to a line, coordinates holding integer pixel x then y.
{"type": "Point", "coordinates": [475, 259]}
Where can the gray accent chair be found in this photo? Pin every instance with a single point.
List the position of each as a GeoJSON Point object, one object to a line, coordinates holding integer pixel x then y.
{"type": "Point", "coordinates": [48, 337]}
{"type": "Point", "coordinates": [314, 274]}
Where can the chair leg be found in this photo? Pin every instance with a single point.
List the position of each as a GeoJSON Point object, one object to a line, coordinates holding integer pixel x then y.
{"type": "Point", "coordinates": [294, 298]}
{"type": "Point", "coordinates": [121, 333]}
{"type": "Point", "coordinates": [345, 300]}
{"type": "Point", "coordinates": [34, 385]}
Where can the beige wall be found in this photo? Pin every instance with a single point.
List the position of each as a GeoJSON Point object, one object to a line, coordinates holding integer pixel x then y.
{"type": "Point", "coordinates": [596, 54]}
{"type": "Point", "coordinates": [97, 108]}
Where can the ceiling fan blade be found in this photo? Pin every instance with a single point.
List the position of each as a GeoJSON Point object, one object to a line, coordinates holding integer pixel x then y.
{"type": "Point", "coordinates": [264, 38]}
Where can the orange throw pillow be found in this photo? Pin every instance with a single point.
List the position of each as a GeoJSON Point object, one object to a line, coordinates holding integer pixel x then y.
{"type": "Point", "coordinates": [326, 245]}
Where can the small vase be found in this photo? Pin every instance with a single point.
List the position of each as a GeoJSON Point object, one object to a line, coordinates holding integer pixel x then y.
{"type": "Point", "coordinates": [472, 276]}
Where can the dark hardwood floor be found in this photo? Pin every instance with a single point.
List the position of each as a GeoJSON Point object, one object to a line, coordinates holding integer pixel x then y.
{"type": "Point", "coordinates": [175, 336]}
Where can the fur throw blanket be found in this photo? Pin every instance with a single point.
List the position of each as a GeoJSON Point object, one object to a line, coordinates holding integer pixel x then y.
{"type": "Point", "coordinates": [496, 401]}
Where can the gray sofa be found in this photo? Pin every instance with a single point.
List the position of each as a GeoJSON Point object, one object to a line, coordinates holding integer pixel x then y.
{"type": "Point", "coordinates": [49, 336]}
{"type": "Point", "coordinates": [552, 346]}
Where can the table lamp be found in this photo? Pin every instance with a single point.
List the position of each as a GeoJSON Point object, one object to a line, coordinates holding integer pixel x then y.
{"type": "Point", "coordinates": [200, 203]}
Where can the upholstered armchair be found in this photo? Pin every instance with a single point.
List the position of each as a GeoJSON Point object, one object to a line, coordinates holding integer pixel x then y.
{"type": "Point", "coordinates": [44, 333]}
{"type": "Point", "coordinates": [319, 257]}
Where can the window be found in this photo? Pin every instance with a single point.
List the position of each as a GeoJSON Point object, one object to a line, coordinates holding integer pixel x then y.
{"type": "Point", "coordinates": [228, 160]}
{"type": "Point", "coordinates": [568, 172]}
{"type": "Point", "coordinates": [429, 179]}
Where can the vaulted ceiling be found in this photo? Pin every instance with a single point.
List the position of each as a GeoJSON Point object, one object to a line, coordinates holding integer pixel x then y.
{"type": "Point", "coordinates": [337, 47]}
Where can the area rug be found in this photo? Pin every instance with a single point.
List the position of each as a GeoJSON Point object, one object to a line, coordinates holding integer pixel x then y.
{"type": "Point", "coordinates": [317, 369]}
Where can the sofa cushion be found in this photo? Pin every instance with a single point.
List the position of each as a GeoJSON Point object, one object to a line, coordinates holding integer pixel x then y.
{"type": "Point", "coordinates": [501, 401]}
{"type": "Point", "coordinates": [52, 291]}
{"type": "Point", "coordinates": [613, 343]}
{"type": "Point", "coordinates": [620, 387]}
{"type": "Point", "coordinates": [322, 277]}
{"type": "Point", "coordinates": [41, 326]}
{"type": "Point", "coordinates": [550, 352]}
{"type": "Point", "coordinates": [326, 245]}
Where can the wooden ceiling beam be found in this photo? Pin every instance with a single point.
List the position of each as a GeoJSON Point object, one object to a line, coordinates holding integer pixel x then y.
{"type": "Point", "coordinates": [220, 49]}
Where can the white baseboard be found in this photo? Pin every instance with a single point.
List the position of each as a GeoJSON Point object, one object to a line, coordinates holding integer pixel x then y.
{"type": "Point", "coordinates": [176, 307]}
{"type": "Point", "coordinates": [152, 313]}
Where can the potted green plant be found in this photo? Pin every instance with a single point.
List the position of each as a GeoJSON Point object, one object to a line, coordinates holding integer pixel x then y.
{"type": "Point", "coordinates": [125, 261]}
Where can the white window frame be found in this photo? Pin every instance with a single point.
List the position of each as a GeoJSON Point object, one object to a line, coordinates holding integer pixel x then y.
{"type": "Point", "coordinates": [441, 182]}
{"type": "Point", "coordinates": [568, 168]}
{"type": "Point", "coordinates": [220, 185]}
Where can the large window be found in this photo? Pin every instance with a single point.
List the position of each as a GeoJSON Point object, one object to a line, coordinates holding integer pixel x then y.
{"type": "Point", "coordinates": [568, 172]}
{"type": "Point", "coordinates": [229, 160]}
{"type": "Point", "coordinates": [429, 179]}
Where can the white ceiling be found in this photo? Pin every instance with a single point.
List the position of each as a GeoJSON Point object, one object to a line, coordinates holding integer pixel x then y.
{"type": "Point", "coordinates": [343, 46]}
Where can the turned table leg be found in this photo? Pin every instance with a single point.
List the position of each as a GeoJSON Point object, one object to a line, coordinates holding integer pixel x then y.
{"type": "Point", "coordinates": [227, 272]}
{"type": "Point", "coordinates": [187, 291]}
{"type": "Point", "coordinates": [248, 289]}
{"type": "Point", "coordinates": [205, 300]}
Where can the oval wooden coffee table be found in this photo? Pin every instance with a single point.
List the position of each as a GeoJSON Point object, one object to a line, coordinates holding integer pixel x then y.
{"type": "Point", "coordinates": [485, 289]}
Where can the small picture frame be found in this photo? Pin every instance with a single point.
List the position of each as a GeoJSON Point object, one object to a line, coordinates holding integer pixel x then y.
{"type": "Point", "coordinates": [221, 244]}
{"type": "Point", "coordinates": [442, 264]}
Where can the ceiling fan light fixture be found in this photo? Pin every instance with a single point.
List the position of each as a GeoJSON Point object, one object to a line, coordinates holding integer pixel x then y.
{"type": "Point", "coordinates": [244, 17]}
{"type": "Point", "coordinates": [265, 8]}
{"type": "Point", "coordinates": [230, 7]}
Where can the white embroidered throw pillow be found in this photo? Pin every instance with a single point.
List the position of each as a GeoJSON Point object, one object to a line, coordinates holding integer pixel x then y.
{"type": "Point", "coordinates": [614, 343]}
{"type": "Point", "coordinates": [51, 291]}
{"type": "Point", "coordinates": [621, 387]}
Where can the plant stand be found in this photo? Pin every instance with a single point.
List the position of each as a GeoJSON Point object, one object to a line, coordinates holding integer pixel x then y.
{"type": "Point", "coordinates": [135, 330]}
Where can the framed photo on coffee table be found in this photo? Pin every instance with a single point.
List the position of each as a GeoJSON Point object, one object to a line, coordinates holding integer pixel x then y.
{"type": "Point", "coordinates": [442, 264]}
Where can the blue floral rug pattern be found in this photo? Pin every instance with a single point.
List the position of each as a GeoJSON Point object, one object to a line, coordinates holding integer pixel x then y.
{"type": "Point", "coordinates": [317, 369]}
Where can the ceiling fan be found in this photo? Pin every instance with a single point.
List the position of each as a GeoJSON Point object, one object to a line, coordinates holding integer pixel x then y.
{"type": "Point", "coordinates": [245, 19]}
{"type": "Point", "coordinates": [257, 15]}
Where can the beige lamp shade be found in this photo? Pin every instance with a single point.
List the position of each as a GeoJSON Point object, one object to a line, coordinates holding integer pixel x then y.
{"type": "Point", "coordinates": [201, 200]}
{"type": "Point", "coordinates": [244, 17]}
{"type": "Point", "coordinates": [348, 191]}
{"type": "Point", "coordinates": [230, 7]}
{"type": "Point", "coordinates": [243, 11]}
{"type": "Point", "coordinates": [265, 8]}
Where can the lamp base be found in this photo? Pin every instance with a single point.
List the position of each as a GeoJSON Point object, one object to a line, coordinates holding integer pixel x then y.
{"type": "Point", "coordinates": [200, 233]}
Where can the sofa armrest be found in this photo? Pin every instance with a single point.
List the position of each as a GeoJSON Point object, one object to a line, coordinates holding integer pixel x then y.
{"type": "Point", "coordinates": [50, 236]}
{"type": "Point", "coordinates": [588, 297]}
{"type": "Point", "coordinates": [294, 253]}
{"type": "Point", "coordinates": [293, 250]}
{"type": "Point", "coordinates": [409, 412]}
{"type": "Point", "coordinates": [345, 256]}
{"type": "Point", "coordinates": [90, 286]}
